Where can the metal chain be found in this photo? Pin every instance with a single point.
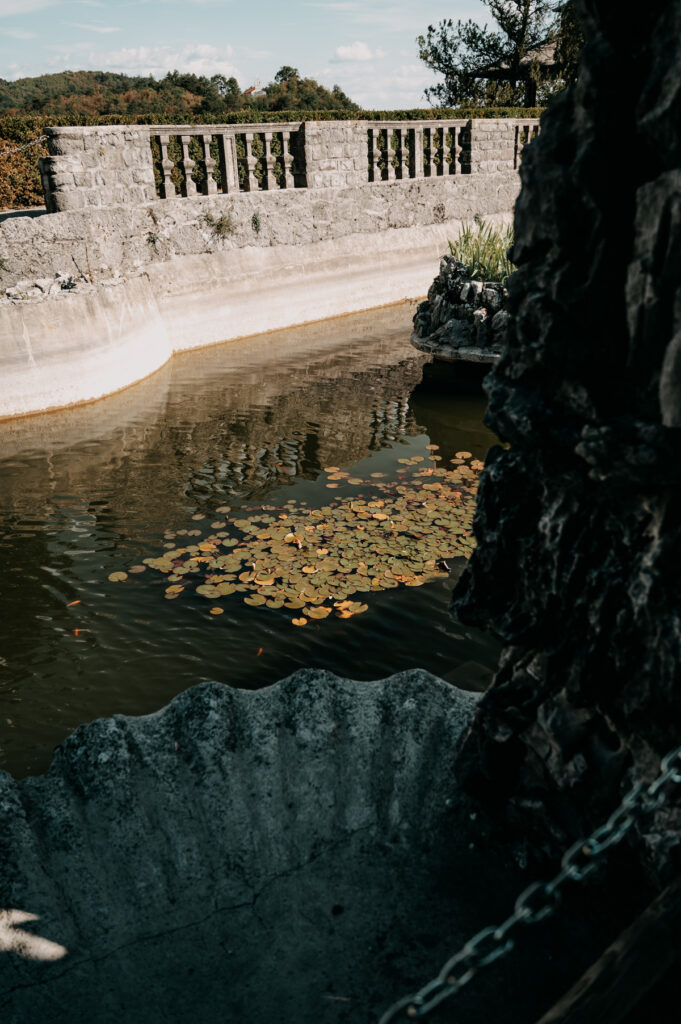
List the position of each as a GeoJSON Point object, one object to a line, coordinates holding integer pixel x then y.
{"type": "Point", "coordinates": [20, 149]}
{"type": "Point", "coordinates": [541, 899]}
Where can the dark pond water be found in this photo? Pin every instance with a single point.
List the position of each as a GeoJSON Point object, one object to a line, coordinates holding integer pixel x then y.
{"type": "Point", "coordinates": [91, 491]}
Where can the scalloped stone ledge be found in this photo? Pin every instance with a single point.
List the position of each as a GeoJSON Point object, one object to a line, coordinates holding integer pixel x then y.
{"type": "Point", "coordinates": [262, 856]}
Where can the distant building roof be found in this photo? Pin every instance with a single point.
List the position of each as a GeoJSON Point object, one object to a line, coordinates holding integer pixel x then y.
{"type": "Point", "coordinates": [543, 53]}
{"type": "Point", "coordinates": [256, 90]}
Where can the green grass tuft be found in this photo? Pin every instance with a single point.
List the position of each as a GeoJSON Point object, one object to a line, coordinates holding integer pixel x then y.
{"type": "Point", "coordinates": [483, 250]}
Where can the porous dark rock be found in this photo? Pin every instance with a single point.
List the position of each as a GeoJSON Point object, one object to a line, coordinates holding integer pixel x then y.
{"type": "Point", "coordinates": [578, 565]}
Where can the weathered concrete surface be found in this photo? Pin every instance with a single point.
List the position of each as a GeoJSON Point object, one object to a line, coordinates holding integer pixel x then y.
{"type": "Point", "coordinates": [80, 345]}
{"type": "Point", "coordinates": [116, 239]}
{"type": "Point", "coordinates": [578, 560]}
{"type": "Point", "coordinates": [236, 856]}
{"type": "Point", "coordinates": [298, 854]}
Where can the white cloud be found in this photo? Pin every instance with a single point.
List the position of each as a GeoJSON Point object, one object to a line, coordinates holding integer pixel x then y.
{"type": "Point", "coordinates": [199, 59]}
{"type": "Point", "coordinates": [18, 33]}
{"type": "Point", "coordinates": [357, 51]}
{"type": "Point", "coordinates": [23, 6]}
{"type": "Point", "coordinates": [378, 87]}
{"type": "Point", "coordinates": [96, 28]}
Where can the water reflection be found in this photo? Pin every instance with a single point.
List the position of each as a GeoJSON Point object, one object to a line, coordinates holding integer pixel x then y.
{"type": "Point", "coordinates": [91, 490]}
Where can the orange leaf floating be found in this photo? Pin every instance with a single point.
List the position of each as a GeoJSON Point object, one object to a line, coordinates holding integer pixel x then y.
{"type": "Point", "coordinates": [322, 551]}
{"type": "Point", "coordinates": [71, 603]}
{"type": "Point", "coordinates": [299, 622]}
{"type": "Point", "coordinates": [259, 652]}
{"type": "Point", "coordinates": [309, 569]}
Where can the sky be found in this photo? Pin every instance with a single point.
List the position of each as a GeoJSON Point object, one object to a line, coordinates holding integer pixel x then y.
{"type": "Point", "coordinates": [367, 47]}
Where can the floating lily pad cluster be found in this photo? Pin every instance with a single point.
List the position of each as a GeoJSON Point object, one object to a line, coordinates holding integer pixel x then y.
{"type": "Point", "coordinates": [317, 562]}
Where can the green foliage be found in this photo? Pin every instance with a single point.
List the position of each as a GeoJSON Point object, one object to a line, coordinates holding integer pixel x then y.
{"type": "Point", "coordinates": [569, 42]}
{"type": "Point", "coordinates": [462, 52]}
{"type": "Point", "coordinates": [255, 222]}
{"type": "Point", "coordinates": [152, 238]}
{"type": "Point", "coordinates": [222, 226]}
{"type": "Point", "coordinates": [483, 249]}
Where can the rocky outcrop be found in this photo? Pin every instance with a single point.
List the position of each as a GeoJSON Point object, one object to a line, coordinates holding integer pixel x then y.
{"type": "Point", "coordinates": [577, 567]}
{"type": "Point", "coordinates": [461, 319]}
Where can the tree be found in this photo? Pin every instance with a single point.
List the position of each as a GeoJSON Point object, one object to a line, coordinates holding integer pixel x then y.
{"type": "Point", "coordinates": [512, 65]}
{"type": "Point", "coordinates": [286, 74]}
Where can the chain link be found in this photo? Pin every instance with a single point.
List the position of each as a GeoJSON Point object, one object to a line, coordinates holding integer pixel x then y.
{"type": "Point", "coordinates": [20, 149]}
{"type": "Point", "coordinates": [541, 899]}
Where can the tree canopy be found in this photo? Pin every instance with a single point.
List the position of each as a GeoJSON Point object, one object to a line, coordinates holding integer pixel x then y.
{"type": "Point", "coordinates": [177, 97]}
{"type": "Point", "coordinates": [530, 53]}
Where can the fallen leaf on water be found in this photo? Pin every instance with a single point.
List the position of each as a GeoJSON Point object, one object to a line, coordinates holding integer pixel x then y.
{"type": "Point", "coordinates": [259, 652]}
{"type": "Point", "coordinates": [71, 603]}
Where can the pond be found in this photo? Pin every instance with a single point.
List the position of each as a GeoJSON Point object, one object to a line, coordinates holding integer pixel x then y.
{"type": "Point", "coordinates": [247, 470]}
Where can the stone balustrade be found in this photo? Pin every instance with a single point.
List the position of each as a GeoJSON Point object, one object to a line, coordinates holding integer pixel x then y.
{"type": "Point", "coordinates": [115, 165]}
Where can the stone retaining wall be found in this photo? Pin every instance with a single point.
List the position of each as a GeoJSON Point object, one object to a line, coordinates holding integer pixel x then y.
{"type": "Point", "coordinates": [110, 165]}
{"type": "Point", "coordinates": [101, 166]}
{"type": "Point", "coordinates": [107, 242]}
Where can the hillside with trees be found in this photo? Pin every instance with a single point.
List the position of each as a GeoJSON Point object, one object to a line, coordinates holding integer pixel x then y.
{"type": "Point", "coordinates": [177, 97]}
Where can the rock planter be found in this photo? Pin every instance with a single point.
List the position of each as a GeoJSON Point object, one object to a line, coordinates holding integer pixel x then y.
{"type": "Point", "coordinates": [461, 319]}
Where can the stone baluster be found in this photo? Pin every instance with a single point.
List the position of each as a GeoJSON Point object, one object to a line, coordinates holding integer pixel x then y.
{"type": "Point", "coordinates": [431, 169]}
{"type": "Point", "coordinates": [251, 182]}
{"type": "Point", "coordinates": [401, 153]}
{"type": "Point", "coordinates": [416, 159]}
{"type": "Point", "coordinates": [210, 186]}
{"type": "Point", "coordinates": [287, 158]}
{"type": "Point", "coordinates": [229, 170]}
{"type": "Point", "coordinates": [389, 153]}
{"type": "Point", "coordinates": [167, 166]}
{"type": "Point", "coordinates": [188, 185]}
{"type": "Point", "coordinates": [374, 154]}
{"type": "Point", "coordinates": [453, 154]}
{"type": "Point", "coordinates": [268, 181]}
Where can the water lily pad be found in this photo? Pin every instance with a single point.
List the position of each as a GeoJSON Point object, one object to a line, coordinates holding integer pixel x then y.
{"type": "Point", "coordinates": [299, 622]}
{"type": "Point", "coordinates": [255, 600]}
{"type": "Point", "coordinates": [117, 577]}
{"type": "Point", "coordinates": [137, 568]}
{"type": "Point", "coordinates": [216, 610]}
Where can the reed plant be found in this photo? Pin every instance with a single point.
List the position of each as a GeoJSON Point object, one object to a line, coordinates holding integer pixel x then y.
{"type": "Point", "coordinates": [483, 250]}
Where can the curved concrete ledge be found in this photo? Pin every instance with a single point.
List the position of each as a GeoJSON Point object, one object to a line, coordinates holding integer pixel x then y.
{"type": "Point", "coordinates": [77, 347]}
{"type": "Point", "coordinates": [270, 856]}
{"type": "Point", "coordinates": [451, 354]}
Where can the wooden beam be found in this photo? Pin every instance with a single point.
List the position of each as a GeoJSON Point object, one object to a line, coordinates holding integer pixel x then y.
{"type": "Point", "coordinates": [628, 969]}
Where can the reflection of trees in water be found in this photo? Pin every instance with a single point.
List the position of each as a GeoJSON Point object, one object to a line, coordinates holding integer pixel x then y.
{"type": "Point", "coordinates": [224, 421]}
{"type": "Point", "coordinates": [321, 422]}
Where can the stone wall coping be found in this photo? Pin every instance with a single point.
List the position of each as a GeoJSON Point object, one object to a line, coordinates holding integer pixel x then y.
{"type": "Point", "coordinates": [190, 129]}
